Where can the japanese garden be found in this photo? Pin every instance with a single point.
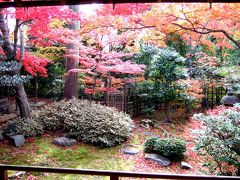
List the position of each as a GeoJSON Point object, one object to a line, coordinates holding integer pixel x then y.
{"type": "Point", "coordinates": [139, 87]}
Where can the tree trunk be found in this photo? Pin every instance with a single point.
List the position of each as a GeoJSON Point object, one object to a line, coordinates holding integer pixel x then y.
{"type": "Point", "coordinates": [71, 79]}
{"type": "Point", "coordinates": [167, 113]}
{"type": "Point", "coordinates": [22, 102]}
{"type": "Point", "coordinates": [21, 97]}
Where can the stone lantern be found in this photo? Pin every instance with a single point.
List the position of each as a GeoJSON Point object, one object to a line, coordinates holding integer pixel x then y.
{"type": "Point", "coordinates": [230, 99]}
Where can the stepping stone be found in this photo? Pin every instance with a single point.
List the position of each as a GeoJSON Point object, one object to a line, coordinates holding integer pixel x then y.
{"type": "Point", "coordinates": [63, 141]}
{"type": "Point", "coordinates": [148, 133]}
{"type": "Point", "coordinates": [130, 149]}
{"type": "Point", "coordinates": [162, 161]}
{"type": "Point", "coordinates": [17, 140]}
{"type": "Point", "coordinates": [185, 165]}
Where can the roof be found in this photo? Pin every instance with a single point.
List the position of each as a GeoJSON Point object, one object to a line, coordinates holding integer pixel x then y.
{"type": "Point", "coordinates": [29, 3]}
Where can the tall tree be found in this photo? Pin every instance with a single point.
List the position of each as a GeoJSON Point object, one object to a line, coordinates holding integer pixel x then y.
{"type": "Point", "coordinates": [10, 53]}
{"type": "Point", "coordinates": [72, 62]}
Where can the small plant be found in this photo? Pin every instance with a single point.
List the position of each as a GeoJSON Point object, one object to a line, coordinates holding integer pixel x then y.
{"type": "Point", "coordinates": [220, 140]}
{"type": "Point", "coordinates": [170, 147]}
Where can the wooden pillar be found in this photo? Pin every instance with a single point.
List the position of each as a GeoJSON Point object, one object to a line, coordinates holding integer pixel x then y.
{"type": "Point", "coordinates": [114, 177]}
{"type": "Point", "coordinates": [3, 174]}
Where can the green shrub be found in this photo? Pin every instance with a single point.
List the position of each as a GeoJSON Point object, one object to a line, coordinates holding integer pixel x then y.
{"type": "Point", "coordinates": [26, 127]}
{"type": "Point", "coordinates": [168, 147]}
{"type": "Point", "coordinates": [150, 144]}
{"type": "Point", "coordinates": [86, 121]}
{"type": "Point", "coordinates": [220, 139]}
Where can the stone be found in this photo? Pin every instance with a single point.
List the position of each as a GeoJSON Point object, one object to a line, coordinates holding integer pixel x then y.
{"type": "Point", "coordinates": [148, 133]}
{"type": "Point", "coordinates": [1, 137]}
{"type": "Point", "coordinates": [63, 141]}
{"type": "Point", "coordinates": [229, 99]}
{"type": "Point", "coordinates": [162, 161]}
{"type": "Point", "coordinates": [130, 149]}
{"type": "Point", "coordinates": [10, 128]}
{"type": "Point", "coordinates": [17, 140]}
{"type": "Point", "coordinates": [17, 175]}
{"type": "Point", "coordinates": [185, 165]}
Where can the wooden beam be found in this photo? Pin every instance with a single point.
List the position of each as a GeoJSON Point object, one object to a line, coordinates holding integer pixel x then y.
{"type": "Point", "coordinates": [112, 174]}
{"type": "Point", "coordinates": [29, 3]}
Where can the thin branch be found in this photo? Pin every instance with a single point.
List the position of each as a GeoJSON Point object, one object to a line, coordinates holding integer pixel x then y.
{"type": "Point", "coordinates": [209, 31]}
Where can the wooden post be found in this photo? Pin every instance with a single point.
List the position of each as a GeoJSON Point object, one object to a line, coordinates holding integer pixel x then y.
{"type": "Point", "coordinates": [3, 174]}
{"type": "Point", "coordinates": [114, 177]}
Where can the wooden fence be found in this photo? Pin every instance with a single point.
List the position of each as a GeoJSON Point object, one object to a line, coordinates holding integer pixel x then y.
{"type": "Point", "coordinates": [131, 103]}
{"type": "Point", "coordinates": [213, 96]}
{"type": "Point", "coordinates": [114, 175]}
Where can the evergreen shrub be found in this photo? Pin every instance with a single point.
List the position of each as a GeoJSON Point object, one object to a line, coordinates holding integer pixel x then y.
{"type": "Point", "coordinates": [169, 147]}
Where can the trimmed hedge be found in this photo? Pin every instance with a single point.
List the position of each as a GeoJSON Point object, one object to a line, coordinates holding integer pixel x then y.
{"type": "Point", "coordinates": [168, 147]}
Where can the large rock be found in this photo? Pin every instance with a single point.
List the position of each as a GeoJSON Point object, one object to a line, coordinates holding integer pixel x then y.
{"type": "Point", "coordinates": [130, 149]}
{"type": "Point", "coordinates": [17, 140]}
{"type": "Point", "coordinates": [230, 100]}
{"type": "Point", "coordinates": [185, 165]}
{"type": "Point", "coordinates": [10, 129]}
{"type": "Point", "coordinates": [162, 161]}
{"type": "Point", "coordinates": [63, 141]}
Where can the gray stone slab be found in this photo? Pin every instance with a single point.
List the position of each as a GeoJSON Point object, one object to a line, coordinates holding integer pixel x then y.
{"type": "Point", "coordinates": [63, 141]}
{"type": "Point", "coordinates": [130, 149]}
{"type": "Point", "coordinates": [17, 140]}
{"type": "Point", "coordinates": [148, 133]}
{"type": "Point", "coordinates": [162, 161]}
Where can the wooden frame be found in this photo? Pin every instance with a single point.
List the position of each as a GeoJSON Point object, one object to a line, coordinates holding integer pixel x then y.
{"type": "Point", "coordinates": [114, 175]}
{"type": "Point", "coordinates": [30, 3]}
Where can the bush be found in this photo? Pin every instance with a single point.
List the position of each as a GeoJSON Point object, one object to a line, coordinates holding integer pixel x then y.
{"type": "Point", "coordinates": [26, 127]}
{"type": "Point", "coordinates": [86, 121]}
{"type": "Point", "coordinates": [220, 139]}
{"type": "Point", "coordinates": [169, 147]}
{"type": "Point", "coordinates": [150, 144]}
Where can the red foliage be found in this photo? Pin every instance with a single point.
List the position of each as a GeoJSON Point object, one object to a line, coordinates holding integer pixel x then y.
{"type": "Point", "coordinates": [34, 65]}
{"type": "Point", "coordinates": [95, 63]}
{"type": "Point", "coordinates": [39, 21]}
